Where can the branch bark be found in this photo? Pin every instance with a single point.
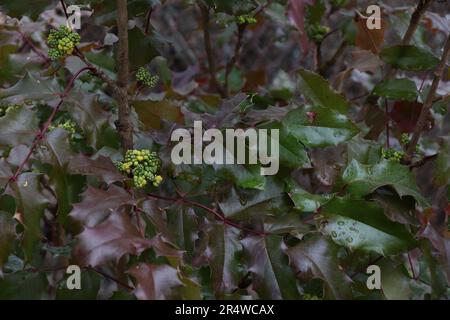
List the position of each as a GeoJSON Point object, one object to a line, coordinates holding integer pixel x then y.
{"type": "Point", "coordinates": [422, 6]}
{"type": "Point", "coordinates": [429, 101]}
{"type": "Point", "coordinates": [124, 125]}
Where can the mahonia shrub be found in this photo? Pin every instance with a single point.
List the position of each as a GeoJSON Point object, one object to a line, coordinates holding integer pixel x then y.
{"type": "Point", "coordinates": [87, 123]}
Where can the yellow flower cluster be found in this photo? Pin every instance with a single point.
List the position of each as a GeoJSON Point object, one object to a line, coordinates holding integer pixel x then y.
{"type": "Point", "coordinates": [142, 166]}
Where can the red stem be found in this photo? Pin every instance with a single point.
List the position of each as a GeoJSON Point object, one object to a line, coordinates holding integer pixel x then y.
{"type": "Point", "coordinates": [40, 135]}
{"type": "Point", "coordinates": [219, 216]}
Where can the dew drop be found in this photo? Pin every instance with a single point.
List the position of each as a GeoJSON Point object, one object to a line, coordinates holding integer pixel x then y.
{"type": "Point", "coordinates": [349, 239]}
{"type": "Point", "coordinates": [334, 234]}
{"type": "Point", "coordinates": [341, 223]}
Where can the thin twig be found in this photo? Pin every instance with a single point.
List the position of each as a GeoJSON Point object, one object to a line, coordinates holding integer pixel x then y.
{"type": "Point", "coordinates": [235, 58]}
{"type": "Point", "coordinates": [209, 50]}
{"type": "Point", "coordinates": [147, 20]}
{"type": "Point", "coordinates": [339, 51]}
{"type": "Point", "coordinates": [41, 134]}
{"type": "Point", "coordinates": [429, 101]}
{"type": "Point", "coordinates": [218, 215]}
{"type": "Point", "coordinates": [33, 47]}
{"type": "Point", "coordinates": [422, 6]}
{"type": "Point", "coordinates": [386, 110]}
{"type": "Point", "coordinates": [105, 275]}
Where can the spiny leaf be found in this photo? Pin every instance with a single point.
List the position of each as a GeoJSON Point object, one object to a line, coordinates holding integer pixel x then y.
{"type": "Point", "coordinates": [316, 257]}
{"type": "Point", "coordinates": [271, 276]}
{"type": "Point", "coordinates": [319, 126]}
{"type": "Point", "coordinates": [155, 282]}
{"type": "Point", "coordinates": [361, 180]}
{"type": "Point", "coordinates": [18, 126]}
{"type": "Point", "coordinates": [362, 225]}
{"type": "Point", "coordinates": [101, 167]}
{"type": "Point", "coordinates": [109, 241]}
{"type": "Point", "coordinates": [97, 203]}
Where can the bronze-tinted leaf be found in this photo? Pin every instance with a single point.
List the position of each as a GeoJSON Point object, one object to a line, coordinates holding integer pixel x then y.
{"type": "Point", "coordinates": [97, 203]}
{"type": "Point", "coordinates": [109, 241]}
{"type": "Point", "coordinates": [155, 282]}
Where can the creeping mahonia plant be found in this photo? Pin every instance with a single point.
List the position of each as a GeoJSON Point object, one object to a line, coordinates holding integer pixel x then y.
{"type": "Point", "coordinates": [144, 76]}
{"type": "Point", "coordinates": [4, 109]}
{"type": "Point", "coordinates": [142, 166]}
{"type": "Point", "coordinates": [62, 42]}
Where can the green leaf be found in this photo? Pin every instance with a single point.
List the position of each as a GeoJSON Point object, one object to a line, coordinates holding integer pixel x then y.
{"type": "Point", "coordinates": [407, 57]}
{"type": "Point", "coordinates": [271, 276]}
{"type": "Point", "coordinates": [305, 201]}
{"type": "Point", "coordinates": [318, 258]}
{"type": "Point", "coordinates": [362, 225]}
{"type": "Point", "coordinates": [316, 89]}
{"type": "Point", "coordinates": [292, 152]}
{"type": "Point", "coordinates": [363, 151]}
{"type": "Point", "coordinates": [24, 285]}
{"type": "Point", "coordinates": [361, 180]}
{"type": "Point", "coordinates": [233, 203]}
{"type": "Point", "coordinates": [248, 176]}
{"type": "Point", "coordinates": [319, 126]}
{"type": "Point", "coordinates": [397, 89]}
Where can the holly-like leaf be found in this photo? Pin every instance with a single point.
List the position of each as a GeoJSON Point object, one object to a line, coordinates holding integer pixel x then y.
{"type": "Point", "coordinates": [97, 203]}
{"type": "Point", "coordinates": [31, 199]}
{"type": "Point", "coordinates": [440, 241]}
{"type": "Point", "coordinates": [155, 282]}
{"type": "Point", "coordinates": [361, 180]}
{"type": "Point", "coordinates": [319, 126]}
{"type": "Point", "coordinates": [305, 201]}
{"type": "Point", "coordinates": [18, 126]}
{"type": "Point", "coordinates": [109, 241]}
{"type": "Point", "coordinates": [223, 252]}
{"type": "Point", "coordinates": [271, 276]}
{"type": "Point", "coordinates": [19, 9]}
{"type": "Point", "coordinates": [397, 89]}
{"type": "Point", "coordinates": [407, 57]}
{"type": "Point", "coordinates": [362, 225]}
{"type": "Point", "coordinates": [317, 257]}
{"type": "Point", "coordinates": [32, 86]}
{"type": "Point", "coordinates": [317, 90]}
{"type": "Point", "coordinates": [101, 167]}
{"type": "Point", "coordinates": [248, 177]}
